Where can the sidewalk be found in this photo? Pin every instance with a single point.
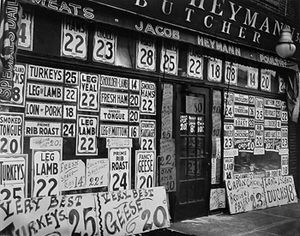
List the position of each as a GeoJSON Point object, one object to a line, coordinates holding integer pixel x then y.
{"type": "Point", "coordinates": [283, 220]}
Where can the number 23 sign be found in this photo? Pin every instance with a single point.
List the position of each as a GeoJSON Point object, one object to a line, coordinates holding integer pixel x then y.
{"type": "Point", "coordinates": [74, 39]}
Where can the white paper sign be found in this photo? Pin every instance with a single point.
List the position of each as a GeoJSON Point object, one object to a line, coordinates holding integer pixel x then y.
{"type": "Point", "coordinates": [146, 55]}
{"type": "Point", "coordinates": [104, 49]}
{"type": "Point", "coordinates": [97, 173]}
{"type": "Point", "coordinates": [145, 169]}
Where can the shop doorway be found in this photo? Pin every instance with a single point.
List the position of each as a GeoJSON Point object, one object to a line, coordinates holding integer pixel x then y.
{"type": "Point", "coordinates": [192, 152]}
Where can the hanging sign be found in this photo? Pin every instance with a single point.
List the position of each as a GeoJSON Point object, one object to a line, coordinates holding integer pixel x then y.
{"type": "Point", "coordinates": [97, 173]}
{"type": "Point", "coordinates": [13, 176]}
{"type": "Point", "coordinates": [169, 60]}
{"type": "Point", "coordinates": [145, 169]}
{"type": "Point", "coordinates": [150, 203]}
{"type": "Point", "coordinates": [43, 110]}
{"type": "Point", "coordinates": [44, 92]}
{"type": "Point", "coordinates": [45, 74]}
{"type": "Point", "coordinates": [148, 98]}
{"type": "Point", "coordinates": [74, 37]}
{"type": "Point", "coordinates": [119, 169]}
{"type": "Point", "coordinates": [46, 172]}
{"type": "Point", "coordinates": [88, 92]}
{"type": "Point", "coordinates": [11, 133]}
{"type": "Point", "coordinates": [252, 77]}
{"type": "Point", "coordinates": [195, 65]}
{"type": "Point", "coordinates": [231, 73]}
{"type": "Point", "coordinates": [146, 55]}
{"type": "Point", "coordinates": [25, 39]}
{"type": "Point", "coordinates": [87, 132]}
{"type": "Point", "coordinates": [214, 70]}
{"type": "Point", "coordinates": [72, 175]}
{"type": "Point", "coordinates": [104, 47]}
{"type": "Point", "coordinates": [148, 134]}
{"type": "Point", "coordinates": [41, 128]}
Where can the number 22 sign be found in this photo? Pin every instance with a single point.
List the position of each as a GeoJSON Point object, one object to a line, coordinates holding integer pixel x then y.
{"type": "Point", "coordinates": [74, 39]}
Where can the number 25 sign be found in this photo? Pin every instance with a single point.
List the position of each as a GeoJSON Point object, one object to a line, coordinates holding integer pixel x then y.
{"type": "Point", "coordinates": [74, 39]}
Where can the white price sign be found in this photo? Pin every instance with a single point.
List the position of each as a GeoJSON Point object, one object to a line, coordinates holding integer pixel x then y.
{"type": "Point", "coordinates": [252, 77]}
{"type": "Point", "coordinates": [74, 39]}
{"type": "Point", "coordinates": [214, 70]}
{"type": "Point", "coordinates": [87, 131]}
{"type": "Point", "coordinates": [119, 165]}
{"type": "Point", "coordinates": [134, 131]}
{"type": "Point", "coordinates": [9, 192]}
{"type": "Point", "coordinates": [169, 61]}
{"type": "Point", "coordinates": [195, 66]}
{"type": "Point", "coordinates": [145, 169]}
{"type": "Point", "coordinates": [70, 94]}
{"type": "Point", "coordinates": [148, 143]}
{"type": "Point", "coordinates": [69, 112]}
{"type": "Point", "coordinates": [231, 73]}
{"type": "Point", "coordinates": [46, 172]}
{"type": "Point", "coordinates": [146, 55]}
{"type": "Point", "coordinates": [25, 39]}
{"type": "Point", "coordinates": [88, 92]}
{"type": "Point", "coordinates": [104, 49]}
{"type": "Point", "coordinates": [71, 77]}
{"type": "Point", "coordinates": [97, 172]}
{"type": "Point", "coordinates": [69, 130]}
{"type": "Point", "coordinates": [148, 98]}
{"type": "Point", "coordinates": [265, 80]}
{"type": "Point", "coordinates": [281, 87]}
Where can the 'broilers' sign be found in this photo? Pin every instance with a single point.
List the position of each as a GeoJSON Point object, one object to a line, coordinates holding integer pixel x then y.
{"type": "Point", "coordinates": [222, 18]}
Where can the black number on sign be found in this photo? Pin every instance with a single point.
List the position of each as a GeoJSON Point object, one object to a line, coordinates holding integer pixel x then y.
{"type": "Point", "coordinates": [215, 70]}
{"type": "Point", "coordinates": [22, 33]}
{"type": "Point", "coordinates": [91, 102]}
{"type": "Point", "coordinates": [7, 194]}
{"type": "Point", "coordinates": [147, 57]}
{"type": "Point", "coordinates": [74, 217]}
{"type": "Point", "coordinates": [89, 219]}
{"type": "Point", "coordinates": [13, 145]}
{"type": "Point", "coordinates": [146, 215]}
{"type": "Point", "coordinates": [71, 77]}
{"type": "Point", "coordinates": [134, 100]}
{"type": "Point", "coordinates": [70, 94]}
{"type": "Point", "coordinates": [197, 64]}
{"type": "Point", "coordinates": [87, 144]}
{"type": "Point", "coordinates": [147, 105]}
{"type": "Point", "coordinates": [146, 181]}
{"type": "Point", "coordinates": [265, 83]}
{"type": "Point", "coordinates": [148, 144]}
{"type": "Point", "coordinates": [68, 130]}
{"type": "Point", "coordinates": [108, 49]}
{"type": "Point", "coordinates": [134, 116]}
{"type": "Point", "coordinates": [230, 74]}
{"type": "Point", "coordinates": [123, 181]}
{"type": "Point", "coordinates": [169, 63]}
{"type": "Point", "coordinates": [71, 38]}
{"type": "Point", "coordinates": [16, 94]}
{"type": "Point", "coordinates": [43, 182]}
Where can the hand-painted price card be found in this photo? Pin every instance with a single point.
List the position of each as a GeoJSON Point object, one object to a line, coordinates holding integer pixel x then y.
{"type": "Point", "coordinates": [104, 49]}
{"type": "Point", "coordinates": [119, 169]}
{"type": "Point", "coordinates": [87, 131]}
{"type": "Point", "coordinates": [214, 70]}
{"type": "Point", "coordinates": [145, 169]}
{"type": "Point", "coordinates": [148, 98]}
{"type": "Point", "coordinates": [19, 86]}
{"type": "Point", "coordinates": [43, 110]}
{"type": "Point", "coordinates": [41, 128]}
{"type": "Point", "coordinates": [44, 92]}
{"type": "Point", "coordinates": [97, 173]}
{"type": "Point", "coordinates": [167, 165]}
{"type": "Point", "coordinates": [231, 73]}
{"type": "Point", "coordinates": [169, 60]}
{"type": "Point", "coordinates": [150, 203]}
{"type": "Point", "coordinates": [88, 92]}
{"type": "Point", "coordinates": [266, 79]}
{"type": "Point", "coordinates": [217, 199]}
{"type": "Point", "coordinates": [55, 215]}
{"type": "Point", "coordinates": [146, 55]}
{"type": "Point", "coordinates": [46, 172]}
{"type": "Point", "coordinates": [45, 74]}
{"type": "Point", "coordinates": [195, 65]}
{"type": "Point", "coordinates": [48, 143]}
{"type": "Point", "coordinates": [281, 85]}
{"type": "Point", "coordinates": [252, 77]}
{"type": "Point", "coordinates": [13, 176]}
{"type": "Point", "coordinates": [11, 133]}
{"type": "Point", "coordinates": [25, 39]}
{"type": "Point", "coordinates": [228, 168]}
{"type": "Point", "coordinates": [72, 175]}
{"type": "Point", "coordinates": [74, 37]}
{"type": "Point", "coordinates": [280, 190]}
{"type": "Point", "coordinates": [148, 134]}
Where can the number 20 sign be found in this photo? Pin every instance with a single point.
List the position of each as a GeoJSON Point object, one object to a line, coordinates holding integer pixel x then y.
{"type": "Point", "coordinates": [74, 39]}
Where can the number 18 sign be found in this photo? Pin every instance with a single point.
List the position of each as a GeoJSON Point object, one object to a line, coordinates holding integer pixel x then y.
{"type": "Point", "coordinates": [74, 39]}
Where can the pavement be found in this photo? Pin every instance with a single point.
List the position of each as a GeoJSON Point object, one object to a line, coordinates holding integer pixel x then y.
{"type": "Point", "coordinates": [275, 221]}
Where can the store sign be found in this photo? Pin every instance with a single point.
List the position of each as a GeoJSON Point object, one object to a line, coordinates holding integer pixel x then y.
{"type": "Point", "coordinates": [42, 128]}
{"type": "Point", "coordinates": [25, 40]}
{"type": "Point", "coordinates": [114, 98]}
{"type": "Point", "coordinates": [45, 74]}
{"type": "Point", "coordinates": [97, 172]}
{"type": "Point", "coordinates": [113, 131]}
{"type": "Point", "coordinates": [112, 114]}
{"type": "Point", "coordinates": [44, 91]}
{"type": "Point", "coordinates": [43, 110]}
{"type": "Point", "coordinates": [148, 98]}
{"type": "Point", "coordinates": [195, 65]}
{"type": "Point", "coordinates": [89, 92]}
{"type": "Point", "coordinates": [104, 48]}
{"type": "Point", "coordinates": [223, 19]}
{"type": "Point", "coordinates": [169, 60]}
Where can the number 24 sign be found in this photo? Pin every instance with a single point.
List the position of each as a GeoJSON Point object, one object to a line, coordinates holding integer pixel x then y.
{"type": "Point", "coordinates": [74, 40]}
